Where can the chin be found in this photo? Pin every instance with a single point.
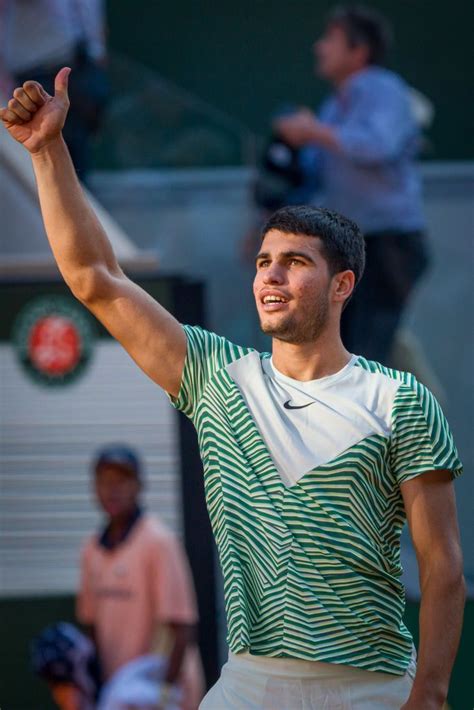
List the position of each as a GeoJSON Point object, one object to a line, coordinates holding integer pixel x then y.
{"type": "Point", "coordinates": [113, 511]}
{"type": "Point", "coordinates": [280, 331]}
{"type": "Point", "coordinates": [273, 326]}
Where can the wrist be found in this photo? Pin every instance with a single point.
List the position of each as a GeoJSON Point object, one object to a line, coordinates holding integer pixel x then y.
{"type": "Point", "coordinates": [323, 135]}
{"type": "Point", "coordinates": [427, 695]}
{"type": "Point", "coordinates": [51, 147]}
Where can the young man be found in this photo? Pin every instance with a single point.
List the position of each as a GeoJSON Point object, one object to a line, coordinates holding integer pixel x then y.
{"type": "Point", "coordinates": [313, 458]}
{"type": "Point", "coordinates": [136, 592]}
{"type": "Point", "coordinates": [136, 600]}
{"type": "Point", "coordinates": [363, 146]}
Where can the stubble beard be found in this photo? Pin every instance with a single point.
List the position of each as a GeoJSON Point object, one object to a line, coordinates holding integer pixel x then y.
{"type": "Point", "coordinates": [303, 327]}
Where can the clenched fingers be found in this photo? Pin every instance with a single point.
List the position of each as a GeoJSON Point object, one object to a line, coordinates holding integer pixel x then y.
{"type": "Point", "coordinates": [26, 100]}
{"type": "Point", "coordinates": [35, 92]}
{"type": "Point", "coordinates": [16, 108]}
{"type": "Point", "coordinates": [22, 97]}
{"type": "Point", "coordinates": [9, 117]}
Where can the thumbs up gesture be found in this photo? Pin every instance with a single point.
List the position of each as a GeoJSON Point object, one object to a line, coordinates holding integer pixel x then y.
{"type": "Point", "coordinates": [33, 117]}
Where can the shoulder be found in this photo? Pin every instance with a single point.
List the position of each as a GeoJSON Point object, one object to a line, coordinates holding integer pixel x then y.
{"type": "Point", "coordinates": [399, 385]}
{"type": "Point", "coordinates": [411, 410]}
{"type": "Point", "coordinates": [379, 76]}
{"type": "Point", "coordinates": [413, 404]}
{"type": "Point", "coordinates": [209, 345]}
{"type": "Point", "coordinates": [154, 531]}
{"type": "Point", "coordinates": [90, 547]}
{"type": "Point", "coordinates": [380, 82]}
{"type": "Point", "coordinates": [376, 368]}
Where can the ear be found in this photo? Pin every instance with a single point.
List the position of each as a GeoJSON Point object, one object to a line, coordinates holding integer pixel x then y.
{"type": "Point", "coordinates": [343, 285]}
{"type": "Point", "coordinates": [361, 54]}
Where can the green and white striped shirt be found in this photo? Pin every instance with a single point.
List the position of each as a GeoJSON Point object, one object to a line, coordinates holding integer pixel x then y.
{"type": "Point", "coordinates": [302, 484]}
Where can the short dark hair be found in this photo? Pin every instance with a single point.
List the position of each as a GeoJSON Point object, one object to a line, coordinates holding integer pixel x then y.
{"type": "Point", "coordinates": [343, 244]}
{"type": "Point", "coordinates": [363, 25]}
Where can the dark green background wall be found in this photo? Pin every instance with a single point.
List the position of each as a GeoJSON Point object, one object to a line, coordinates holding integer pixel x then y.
{"type": "Point", "coordinates": [247, 57]}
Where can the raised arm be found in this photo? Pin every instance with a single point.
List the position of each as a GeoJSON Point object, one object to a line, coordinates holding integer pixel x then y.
{"type": "Point", "coordinates": [151, 335]}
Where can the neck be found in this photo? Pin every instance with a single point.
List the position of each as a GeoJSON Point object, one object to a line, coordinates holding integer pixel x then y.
{"type": "Point", "coordinates": [340, 80]}
{"type": "Point", "coordinates": [119, 523]}
{"type": "Point", "coordinates": [311, 360]}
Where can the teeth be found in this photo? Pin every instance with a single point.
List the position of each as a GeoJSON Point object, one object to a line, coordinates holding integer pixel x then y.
{"type": "Point", "coordinates": [274, 299]}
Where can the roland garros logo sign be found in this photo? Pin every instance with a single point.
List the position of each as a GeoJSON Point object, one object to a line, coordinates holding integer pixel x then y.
{"type": "Point", "coordinates": [53, 336]}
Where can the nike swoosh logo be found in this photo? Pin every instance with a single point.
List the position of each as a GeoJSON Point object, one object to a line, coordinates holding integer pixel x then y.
{"type": "Point", "coordinates": [287, 405]}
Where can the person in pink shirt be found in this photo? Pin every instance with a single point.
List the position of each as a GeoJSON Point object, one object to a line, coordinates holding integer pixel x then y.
{"type": "Point", "coordinates": [136, 593]}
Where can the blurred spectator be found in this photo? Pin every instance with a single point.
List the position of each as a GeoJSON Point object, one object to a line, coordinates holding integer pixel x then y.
{"type": "Point", "coordinates": [40, 37]}
{"type": "Point", "coordinates": [136, 599]}
{"type": "Point", "coordinates": [136, 589]}
{"type": "Point", "coordinates": [361, 150]}
{"type": "Point", "coordinates": [67, 661]}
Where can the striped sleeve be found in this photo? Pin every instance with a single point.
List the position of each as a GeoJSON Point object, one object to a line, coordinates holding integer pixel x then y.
{"type": "Point", "coordinates": [206, 354]}
{"type": "Point", "coordinates": [421, 438]}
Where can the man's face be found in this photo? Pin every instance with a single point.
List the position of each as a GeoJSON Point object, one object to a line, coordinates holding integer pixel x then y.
{"type": "Point", "coordinates": [291, 287]}
{"type": "Point", "coordinates": [335, 58]}
{"type": "Point", "coordinates": [117, 490]}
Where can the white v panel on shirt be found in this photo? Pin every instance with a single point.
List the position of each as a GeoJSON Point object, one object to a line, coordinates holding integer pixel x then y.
{"type": "Point", "coordinates": [308, 424]}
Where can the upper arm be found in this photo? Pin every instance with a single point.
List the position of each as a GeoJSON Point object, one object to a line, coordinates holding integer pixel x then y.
{"type": "Point", "coordinates": [424, 462]}
{"type": "Point", "coordinates": [378, 125]}
{"type": "Point", "coordinates": [430, 507]}
{"type": "Point", "coordinates": [421, 439]}
{"type": "Point", "coordinates": [85, 607]}
{"type": "Point", "coordinates": [206, 354]}
{"type": "Point", "coordinates": [173, 587]}
{"type": "Point", "coordinates": [147, 331]}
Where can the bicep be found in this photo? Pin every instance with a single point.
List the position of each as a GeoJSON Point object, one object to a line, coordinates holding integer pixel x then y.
{"type": "Point", "coordinates": [377, 128]}
{"type": "Point", "coordinates": [173, 586]}
{"type": "Point", "coordinates": [149, 333]}
{"type": "Point", "coordinates": [430, 506]}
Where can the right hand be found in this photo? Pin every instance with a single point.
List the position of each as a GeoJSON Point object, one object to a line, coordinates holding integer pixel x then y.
{"type": "Point", "coordinates": [33, 117]}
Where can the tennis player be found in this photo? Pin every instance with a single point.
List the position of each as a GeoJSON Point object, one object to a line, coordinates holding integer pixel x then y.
{"type": "Point", "coordinates": [313, 457]}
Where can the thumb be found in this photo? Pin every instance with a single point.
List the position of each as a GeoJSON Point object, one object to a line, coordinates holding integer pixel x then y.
{"type": "Point", "coordinates": [61, 83]}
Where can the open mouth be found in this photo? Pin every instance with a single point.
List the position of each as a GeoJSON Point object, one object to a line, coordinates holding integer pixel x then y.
{"type": "Point", "coordinates": [273, 302]}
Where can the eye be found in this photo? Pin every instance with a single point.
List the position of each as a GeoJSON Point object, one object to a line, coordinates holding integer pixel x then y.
{"type": "Point", "coordinates": [263, 263]}
{"type": "Point", "coordinates": [298, 262]}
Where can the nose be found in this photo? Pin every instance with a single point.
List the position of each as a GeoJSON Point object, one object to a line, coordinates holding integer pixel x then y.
{"type": "Point", "coordinates": [274, 274]}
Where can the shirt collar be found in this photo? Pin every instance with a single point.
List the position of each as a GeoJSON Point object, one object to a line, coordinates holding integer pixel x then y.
{"type": "Point", "coordinates": [343, 91]}
{"type": "Point", "coordinates": [104, 539]}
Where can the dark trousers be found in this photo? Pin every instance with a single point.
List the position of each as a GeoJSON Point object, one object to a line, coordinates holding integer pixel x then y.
{"type": "Point", "coordinates": [394, 263]}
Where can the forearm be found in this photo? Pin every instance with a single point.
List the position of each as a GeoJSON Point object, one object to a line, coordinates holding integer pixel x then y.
{"type": "Point", "coordinates": [177, 639]}
{"type": "Point", "coordinates": [324, 136]}
{"type": "Point", "coordinates": [76, 237]}
{"type": "Point", "coordinates": [440, 623]}
{"type": "Point", "coordinates": [176, 658]}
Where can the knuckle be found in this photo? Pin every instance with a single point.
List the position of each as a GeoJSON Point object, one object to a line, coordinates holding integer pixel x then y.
{"type": "Point", "coordinates": [32, 87]}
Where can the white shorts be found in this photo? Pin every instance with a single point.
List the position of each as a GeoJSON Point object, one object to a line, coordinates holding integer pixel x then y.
{"type": "Point", "coordinates": [250, 682]}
